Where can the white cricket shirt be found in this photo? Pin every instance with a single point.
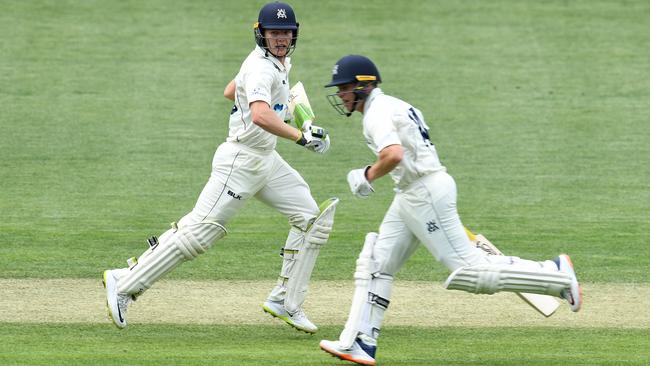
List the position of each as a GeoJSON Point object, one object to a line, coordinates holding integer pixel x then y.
{"type": "Point", "coordinates": [264, 78]}
{"type": "Point", "coordinates": [391, 121]}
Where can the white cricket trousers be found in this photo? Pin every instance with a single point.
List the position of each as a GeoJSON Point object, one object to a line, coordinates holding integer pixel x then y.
{"type": "Point", "coordinates": [239, 173]}
{"type": "Point", "coordinates": [425, 212]}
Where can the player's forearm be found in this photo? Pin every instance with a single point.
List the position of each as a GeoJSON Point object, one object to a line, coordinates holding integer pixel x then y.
{"type": "Point", "coordinates": [379, 169]}
{"type": "Point", "coordinates": [389, 159]}
{"type": "Point", "coordinates": [268, 120]}
{"type": "Point", "coordinates": [229, 91]}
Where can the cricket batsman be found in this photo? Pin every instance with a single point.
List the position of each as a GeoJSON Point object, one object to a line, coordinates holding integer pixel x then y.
{"type": "Point", "coordinates": [246, 166]}
{"type": "Point", "coordinates": [423, 211]}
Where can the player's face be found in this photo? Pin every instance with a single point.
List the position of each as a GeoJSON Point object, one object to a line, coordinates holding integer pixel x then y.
{"type": "Point", "coordinates": [278, 41]}
{"type": "Point", "coordinates": [346, 94]}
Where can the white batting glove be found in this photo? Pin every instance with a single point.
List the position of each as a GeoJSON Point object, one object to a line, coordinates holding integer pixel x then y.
{"type": "Point", "coordinates": [359, 184]}
{"type": "Point", "coordinates": [314, 138]}
{"type": "Point", "coordinates": [320, 139]}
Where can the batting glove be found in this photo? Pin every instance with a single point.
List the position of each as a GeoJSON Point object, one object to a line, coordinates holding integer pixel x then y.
{"type": "Point", "coordinates": [315, 138]}
{"type": "Point", "coordinates": [358, 182]}
{"type": "Point", "coordinates": [320, 139]}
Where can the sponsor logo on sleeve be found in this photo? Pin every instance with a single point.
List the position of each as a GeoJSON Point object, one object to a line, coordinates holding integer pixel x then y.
{"type": "Point", "coordinates": [258, 91]}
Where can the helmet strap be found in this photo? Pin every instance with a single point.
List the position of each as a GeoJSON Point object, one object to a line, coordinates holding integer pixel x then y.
{"type": "Point", "coordinates": [357, 99]}
{"type": "Point", "coordinates": [360, 95]}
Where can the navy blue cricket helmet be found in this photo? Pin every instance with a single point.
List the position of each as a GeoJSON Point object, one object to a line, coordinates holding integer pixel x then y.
{"type": "Point", "coordinates": [353, 69]}
{"type": "Point", "coordinates": [276, 15]}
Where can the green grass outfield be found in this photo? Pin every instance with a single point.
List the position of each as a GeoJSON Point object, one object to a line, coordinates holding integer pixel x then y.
{"type": "Point", "coordinates": [84, 344]}
{"type": "Point", "coordinates": [110, 113]}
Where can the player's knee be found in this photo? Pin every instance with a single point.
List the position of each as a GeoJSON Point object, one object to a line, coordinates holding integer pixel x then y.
{"type": "Point", "coordinates": [304, 215]}
{"type": "Point", "coordinates": [388, 265]}
{"type": "Point", "coordinates": [188, 219]}
{"type": "Point", "coordinates": [196, 238]}
{"type": "Point", "coordinates": [455, 261]}
{"type": "Point", "coordinates": [302, 220]}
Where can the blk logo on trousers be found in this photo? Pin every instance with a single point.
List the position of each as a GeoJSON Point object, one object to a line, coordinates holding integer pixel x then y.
{"type": "Point", "coordinates": [234, 195]}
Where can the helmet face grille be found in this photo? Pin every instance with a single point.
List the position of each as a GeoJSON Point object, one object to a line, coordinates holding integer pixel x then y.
{"type": "Point", "coordinates": [260, 40]}
{"type": "Point", "coordinates": [336, 102]}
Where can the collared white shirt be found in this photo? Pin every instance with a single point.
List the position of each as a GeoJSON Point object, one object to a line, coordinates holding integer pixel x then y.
{"type": "Point", "coordinates": [391, 121]}
{"type": "Point", "coordinates": [261, 78]}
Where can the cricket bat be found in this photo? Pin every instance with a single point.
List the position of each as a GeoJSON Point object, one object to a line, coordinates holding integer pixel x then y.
{"type": "Point", "coordinates": [545, 304]}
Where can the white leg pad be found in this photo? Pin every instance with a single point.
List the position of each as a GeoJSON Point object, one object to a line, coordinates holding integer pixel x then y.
{"type": "Point", "coordinates": [290, 251]}
{"type": "Point", "coordinates": [379, 294]}
{"type": "Point", "coordinates": [314, 238]}
{"type": "Point", "coordinates": [163, 237]}
{"type": "Point", "coordinates": [371, 297]}
{"type": "Point", "coordinates": [488, 279]}
{"type": "Point", "coordinates": [183, 245]}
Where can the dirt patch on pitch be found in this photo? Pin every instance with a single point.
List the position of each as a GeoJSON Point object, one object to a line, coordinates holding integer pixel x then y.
{"type": "Point", "coordinates": [239, 302]}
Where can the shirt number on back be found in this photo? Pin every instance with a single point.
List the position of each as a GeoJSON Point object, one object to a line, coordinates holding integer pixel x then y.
{"type": "Point", "coordinates": [422, 127]}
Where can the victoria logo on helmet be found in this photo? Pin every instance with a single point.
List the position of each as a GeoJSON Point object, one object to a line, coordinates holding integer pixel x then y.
{"type": "Point", "coordinates": [282, 13]}
{"type": "Point", "coordinates": [335, 70]}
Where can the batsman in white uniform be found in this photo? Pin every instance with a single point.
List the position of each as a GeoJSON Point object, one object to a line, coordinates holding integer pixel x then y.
{"type": "Point", "coordinates": [423, 211]}
{"type": "Point", "coordinates": [247, 166]}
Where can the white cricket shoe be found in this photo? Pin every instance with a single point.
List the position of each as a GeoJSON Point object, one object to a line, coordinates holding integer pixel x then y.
{"type": "Point", "coordinates": [573, 295]}
{"type": "Point", "coordinates": [360, 352]}
{"type": "Point", "coordinates": [297, 320]}
{"type": "Point", "coordinates": [116, 303]}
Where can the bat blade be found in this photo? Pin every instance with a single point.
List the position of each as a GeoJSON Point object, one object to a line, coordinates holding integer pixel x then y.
{"type": "Point", "coordinates": [297, 95]}
{"type": "Point", "coordinates": [544, 304]}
